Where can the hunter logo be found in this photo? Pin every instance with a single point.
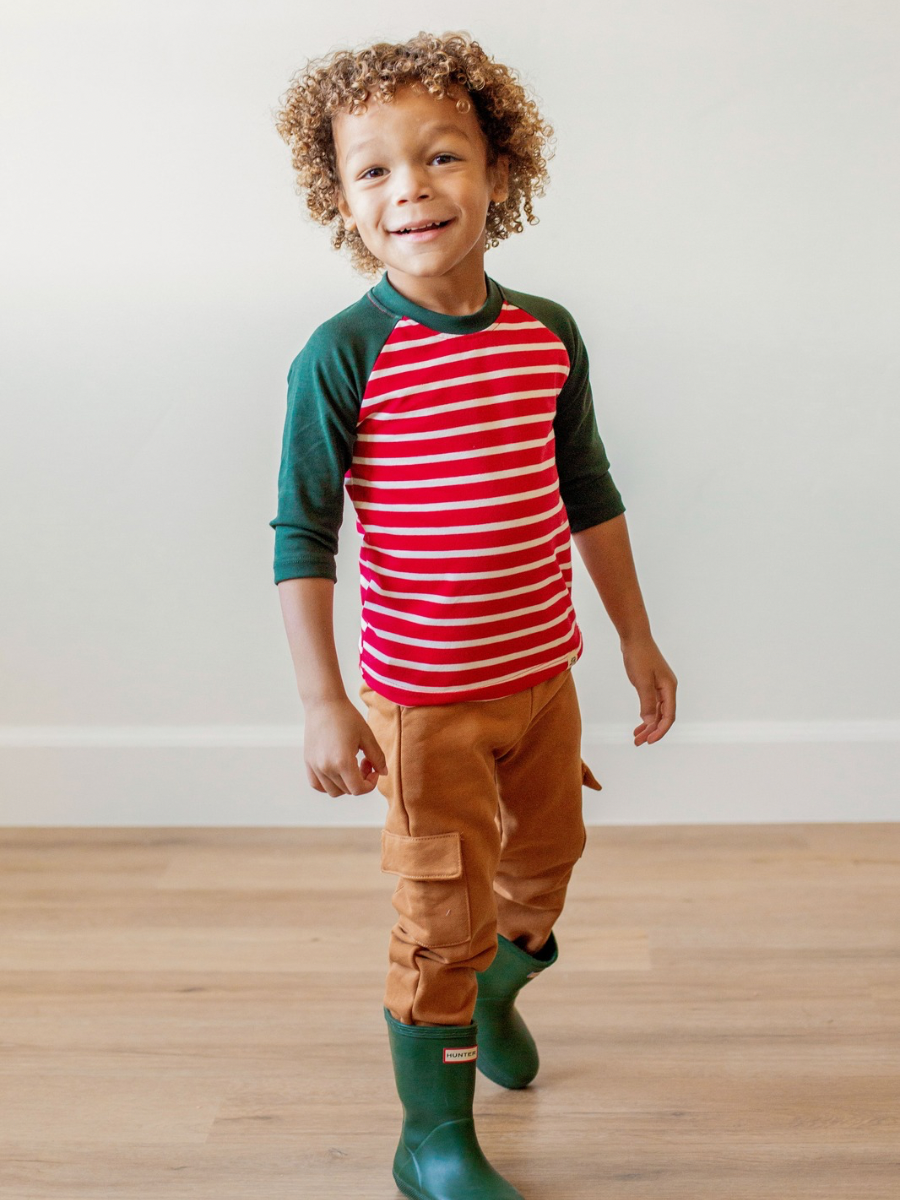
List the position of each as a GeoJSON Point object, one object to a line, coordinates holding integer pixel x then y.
{"type": "Point", "coordinates": [453, 1054]}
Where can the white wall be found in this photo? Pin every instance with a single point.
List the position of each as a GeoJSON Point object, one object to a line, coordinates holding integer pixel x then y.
{"type": "Point", "coordinates": [722, 220]}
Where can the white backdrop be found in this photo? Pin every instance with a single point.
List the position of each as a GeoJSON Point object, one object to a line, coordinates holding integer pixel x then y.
{"type": "Point", "coordinates": [722, 221]}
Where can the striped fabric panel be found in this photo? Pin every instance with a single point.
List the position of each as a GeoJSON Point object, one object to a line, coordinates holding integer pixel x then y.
{"type": "Point", "coordinates": [465, 561]}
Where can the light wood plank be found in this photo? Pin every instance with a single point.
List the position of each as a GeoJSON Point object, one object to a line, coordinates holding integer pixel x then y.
{"type": "Point", "coordinates": [189, 1013]}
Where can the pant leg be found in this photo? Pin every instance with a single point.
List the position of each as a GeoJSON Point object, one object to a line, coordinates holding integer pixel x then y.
{"type": "Point", "coordinates": [540, 784]}
{"type": "Point", "coordinates": [442, 839]}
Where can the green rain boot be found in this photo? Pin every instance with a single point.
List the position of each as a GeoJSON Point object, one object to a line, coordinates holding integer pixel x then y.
{"type": "Point", "coordinates": [439, 1157]}
{"type": "Point", "coordinates": [506, 1052]}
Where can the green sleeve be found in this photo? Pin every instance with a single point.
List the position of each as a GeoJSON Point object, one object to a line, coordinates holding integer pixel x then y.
{"type": "Point", "coordinates": [585, 482]}
{"type": "Point", "coordinates": [326, 382]}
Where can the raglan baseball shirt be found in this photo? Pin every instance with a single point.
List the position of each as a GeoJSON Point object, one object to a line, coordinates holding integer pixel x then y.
{"type": "Point", "coordinates": [469, 448]}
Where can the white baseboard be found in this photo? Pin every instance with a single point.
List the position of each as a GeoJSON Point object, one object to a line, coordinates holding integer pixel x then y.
{"type": "Point", "coordinates": [716, 773]}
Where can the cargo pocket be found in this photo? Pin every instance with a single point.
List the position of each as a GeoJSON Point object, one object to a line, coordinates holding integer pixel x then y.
{"type": "Point", "coordinates": [431, 897]}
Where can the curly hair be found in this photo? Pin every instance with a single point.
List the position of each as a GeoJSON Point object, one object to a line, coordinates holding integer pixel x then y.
{"type": "Point", "coordinates": [346, 79]}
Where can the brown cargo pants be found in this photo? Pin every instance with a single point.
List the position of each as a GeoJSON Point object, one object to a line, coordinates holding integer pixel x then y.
{"type": "Point", "coordinates": [484, 827]}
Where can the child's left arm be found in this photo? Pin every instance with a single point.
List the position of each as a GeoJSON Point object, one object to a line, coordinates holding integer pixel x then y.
{"type": "Point", "coordinates": [606, 552]}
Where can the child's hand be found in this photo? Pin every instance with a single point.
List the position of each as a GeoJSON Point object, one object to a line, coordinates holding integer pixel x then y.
{"type": "Point", "coordinates": [655, 683]}
{"type": "Point", "coordinates": [335, 733]}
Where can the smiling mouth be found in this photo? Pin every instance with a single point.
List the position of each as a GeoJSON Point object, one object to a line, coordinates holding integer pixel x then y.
{"type": "Point", "coordinates": [423, 226]}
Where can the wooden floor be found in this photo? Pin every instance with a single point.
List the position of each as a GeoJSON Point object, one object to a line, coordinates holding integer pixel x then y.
{"type": "Point", "coordinates": [197, 1013]}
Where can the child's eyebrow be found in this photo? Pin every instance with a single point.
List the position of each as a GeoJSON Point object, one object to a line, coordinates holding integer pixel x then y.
{"type": "Point", "coordinates": [427, 131]}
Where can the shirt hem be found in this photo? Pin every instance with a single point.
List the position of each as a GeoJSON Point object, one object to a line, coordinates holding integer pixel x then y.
{"type": "Point", "coordinates": [409, 698]}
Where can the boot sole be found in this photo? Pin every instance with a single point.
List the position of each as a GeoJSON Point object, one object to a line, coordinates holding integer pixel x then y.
{"type": "Point", "coordinates": [408, 1190]}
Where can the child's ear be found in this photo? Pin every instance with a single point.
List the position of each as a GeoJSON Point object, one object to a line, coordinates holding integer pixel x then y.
{"type": "Point", "coordinates": [501, 178]}
{"type": "Point", "coordinates": [344, 209]}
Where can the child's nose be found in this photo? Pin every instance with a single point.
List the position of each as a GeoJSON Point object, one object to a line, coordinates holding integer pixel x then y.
{"type": "Point", "coordinates": [412, 184]}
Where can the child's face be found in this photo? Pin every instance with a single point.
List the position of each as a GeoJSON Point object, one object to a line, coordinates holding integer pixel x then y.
{"type": "Point", "coordinates": [413, 161]}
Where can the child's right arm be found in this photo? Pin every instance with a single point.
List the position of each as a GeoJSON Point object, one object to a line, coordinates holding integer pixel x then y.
{"type": "Point", "coordinates": [326, 382]}
{"type": "Point", "coordinates": [335, 730]}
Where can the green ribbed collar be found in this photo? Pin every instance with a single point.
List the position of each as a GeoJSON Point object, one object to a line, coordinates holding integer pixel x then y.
{"type": "Point", "coordinates": [387, 296]}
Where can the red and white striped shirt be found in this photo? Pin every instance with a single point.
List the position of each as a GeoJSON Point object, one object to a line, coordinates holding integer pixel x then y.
{"type": "Point", "coordinates": [470, 451]}
{"type": "Point", "coordinates": [465, 563]}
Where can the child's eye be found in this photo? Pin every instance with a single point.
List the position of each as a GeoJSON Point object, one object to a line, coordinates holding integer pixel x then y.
{"type": "Point", "coordinates": [372, 172]}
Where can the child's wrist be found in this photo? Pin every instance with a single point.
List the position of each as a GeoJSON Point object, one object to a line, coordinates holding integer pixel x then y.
{"type": "Point", "coordinates": [632, 634]}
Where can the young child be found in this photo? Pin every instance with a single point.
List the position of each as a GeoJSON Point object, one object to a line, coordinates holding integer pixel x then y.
{"type": "Point", "coordinates": [458, 414]}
